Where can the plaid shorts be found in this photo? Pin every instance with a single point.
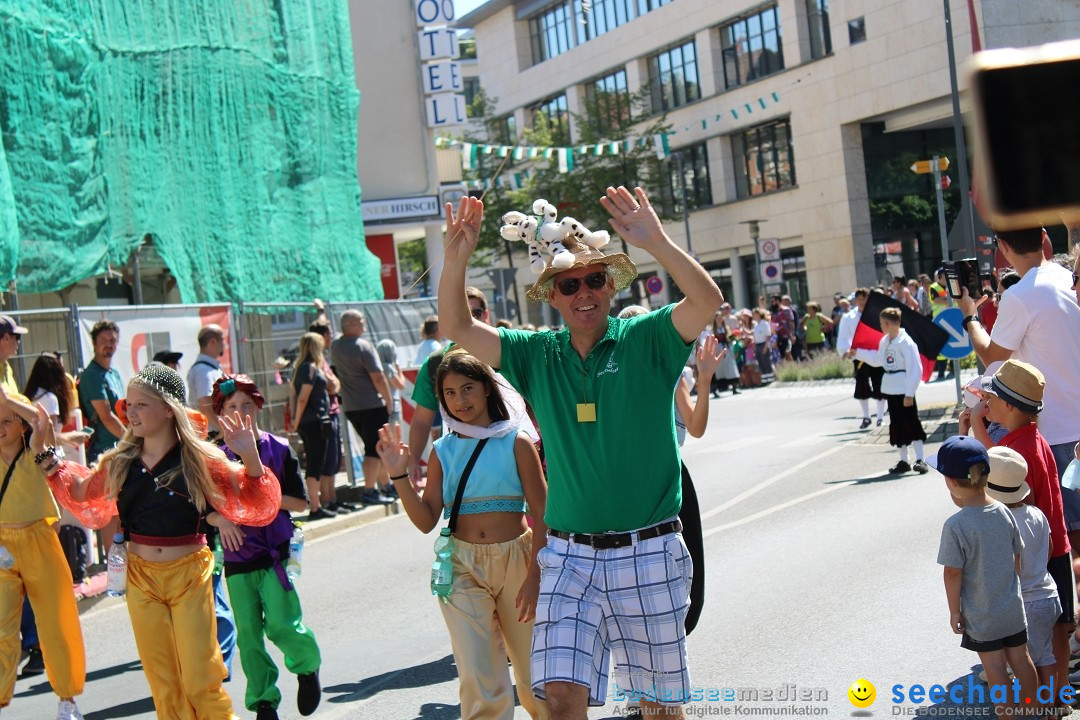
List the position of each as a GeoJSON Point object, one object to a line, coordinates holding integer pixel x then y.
{"type": "Point", "coordinates": [630, 602]}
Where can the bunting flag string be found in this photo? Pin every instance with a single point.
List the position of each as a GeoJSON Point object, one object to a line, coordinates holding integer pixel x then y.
{"type": "Point", "coordinates": [564, 156]}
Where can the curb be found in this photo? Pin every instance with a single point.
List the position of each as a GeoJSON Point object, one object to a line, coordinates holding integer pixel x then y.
{"type": "Point", "coordinates": [940, 421]}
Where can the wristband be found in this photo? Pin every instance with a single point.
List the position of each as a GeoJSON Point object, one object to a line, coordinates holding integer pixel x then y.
{"type": "Point", "coordinates": [48, 452]}
{"type": "Point", "coordinates": [399, 477]}
{"type": "Point", "coordinates": [968, 320]}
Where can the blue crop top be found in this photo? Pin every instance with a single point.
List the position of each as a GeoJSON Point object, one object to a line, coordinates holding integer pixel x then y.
{"type": "Point", "coordinates": [493, 486]}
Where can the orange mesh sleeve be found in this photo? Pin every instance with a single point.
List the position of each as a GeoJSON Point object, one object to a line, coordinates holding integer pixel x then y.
{"type": "Point", "coordinates": [259, 499]}
{"type": "Point", "coordinates": [96, 510]}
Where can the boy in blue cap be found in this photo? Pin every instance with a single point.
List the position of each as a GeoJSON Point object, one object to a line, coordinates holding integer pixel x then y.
{"type": "Point", "coordinates": [980, 549]}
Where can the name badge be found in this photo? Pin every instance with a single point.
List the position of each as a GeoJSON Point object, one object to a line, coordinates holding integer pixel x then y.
{"type": "Point", "coordinates": [586, 412]}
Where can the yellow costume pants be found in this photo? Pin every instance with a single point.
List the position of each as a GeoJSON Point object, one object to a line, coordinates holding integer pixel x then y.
{"type": "Point", "coordinates": [172, 613]}
{"type": "Point", "coordinates": [487, 579]}
{"type": "Point", "coordinates": [41, 572]}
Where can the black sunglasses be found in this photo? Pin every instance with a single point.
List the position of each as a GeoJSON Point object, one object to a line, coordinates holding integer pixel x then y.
{"type": "Point", "coordinates": [477, 313]}
{"type": "Point", "coordinates": [593, 281]}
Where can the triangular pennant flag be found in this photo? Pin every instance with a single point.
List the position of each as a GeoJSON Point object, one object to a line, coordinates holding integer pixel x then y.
{"type": "Point", "coordinates": [734, 113]}
{"type": "Point", "coordinates": [549, 153]}
{"type": "Point", "coordinates": [488, 149]}
{"type": "Point", "coordinates": [718, 118]}
{"type": "Point", "coordinates": [504, 151]}
{"type": "Point", "coordinates": [468, 156]}
{"type": "Point", "coordinates": [660, 142]}
{"type": "Point", "coordinates": [762, 101]}
{"type": "Point", "coordinates": [598, 150]}
{"type": "Point", "coordinates": [534, 152]}
{"type": "Point", "coordinates": [440, 141]}
{"type": "Point", "coordinates": [519, 153]}
{"type": "Point", "coordinates": [613, 148]}
{"type": "Point", "coordinates": [776, 97]}
{"type": "Point", "coordinates": [749, 109]}
{"type": "Point", "coordinates": [704, 124]}
{"type": "Point", "coordinates": [566, 160]}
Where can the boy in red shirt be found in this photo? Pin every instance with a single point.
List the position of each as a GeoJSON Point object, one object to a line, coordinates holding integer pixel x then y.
{"type": "Point", "coordinates": [1014, 399]}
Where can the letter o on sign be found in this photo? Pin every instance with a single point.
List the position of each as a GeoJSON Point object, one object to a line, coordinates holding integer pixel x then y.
{"type": "Point", "coordinates": [434, 12]}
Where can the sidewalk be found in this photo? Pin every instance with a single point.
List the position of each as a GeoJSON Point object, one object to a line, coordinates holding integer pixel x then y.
{"type": "Point", "coordinates": [91, 592]}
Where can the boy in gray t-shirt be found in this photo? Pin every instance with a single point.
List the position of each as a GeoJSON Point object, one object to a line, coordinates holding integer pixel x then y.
{"type": "Point", "coordinates": [980, 549]}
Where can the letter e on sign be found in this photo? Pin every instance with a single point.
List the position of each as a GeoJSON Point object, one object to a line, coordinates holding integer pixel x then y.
{"type": "Point", "coordinates": [434, 12]}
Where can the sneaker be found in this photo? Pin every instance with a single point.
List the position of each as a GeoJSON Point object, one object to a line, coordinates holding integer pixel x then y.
{"type": "Point", "coordinates": [391, 492]}
{"type": "Point", "coordinates": [320, 514]}
{"type": "Point", "coordinates": [67, 710]}
{"type": "Point", "coordinates": [339, 508]}
{"type": "Point", "coordinates": [633, 711]}
{"type": "Point", "coordinates": [266, 711]}
{"type": "Point", "coordinates": [920, 467]}
{"type": "Point", "coordinates": [35, 665]}
{"type": "Point", "coordinates": [900, 468]}
{"type": "Point", "coordinates": [351, 507]}
{"type": "Point", "coordinates": [309, 693]}
{"type": "Point", "coordinates": [865, 423]}
{"type": "Point", "coordinates": [372, 496]}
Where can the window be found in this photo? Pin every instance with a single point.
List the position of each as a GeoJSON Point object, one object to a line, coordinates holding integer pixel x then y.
{"type": "Point", "coordinates": [764, 160]}
{"type": "Point", "coordinates": [751, 47]}
{"type": "Point", "coordinates": [558, 117]}
{"type": "Point", "coordinates": [567, 24]}
{"type": "Point", "coordinates": [673, 76]}
{"type": "Point", "coordinates": [610, 100]}
{"type": "Point", "coordinates": [507, 130]}
{"type": "Point", "coordinates": [856, 30]}
{"type": "Point", "coordinates": [472, 86]}
{"type": "Point", "coordinates": [695, 164]}
{"type": "Point", "coordinates": [551, 33]}
{"type": "Point", "coordinates": [599, 16]}
{"type": "Point", "coordinates": [817, 17]}
{"type": "Point", "coordinates": [644, 6]}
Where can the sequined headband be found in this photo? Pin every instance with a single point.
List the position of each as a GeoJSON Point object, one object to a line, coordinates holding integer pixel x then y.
{"type": "Point", "coordinates": [162, 380]}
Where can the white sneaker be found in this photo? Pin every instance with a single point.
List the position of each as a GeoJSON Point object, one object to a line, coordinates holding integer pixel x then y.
{"type": "Point", "coordinates": [67, 710]}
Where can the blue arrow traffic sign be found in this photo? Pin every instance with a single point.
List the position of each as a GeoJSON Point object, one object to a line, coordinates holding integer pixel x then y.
{"type": "Point", "coordinates": [959, 344]}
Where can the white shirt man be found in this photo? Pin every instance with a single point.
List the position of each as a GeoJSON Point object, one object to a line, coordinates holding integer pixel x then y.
{"type": "Point", "coordinates": [205, 371]}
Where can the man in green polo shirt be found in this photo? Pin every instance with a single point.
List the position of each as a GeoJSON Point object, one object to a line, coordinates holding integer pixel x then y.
{"type": "Point", "coordinates": [601, 391]}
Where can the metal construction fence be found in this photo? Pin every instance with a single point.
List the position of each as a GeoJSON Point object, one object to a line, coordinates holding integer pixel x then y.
{"type": "Point", "coordinates": [261, 339]}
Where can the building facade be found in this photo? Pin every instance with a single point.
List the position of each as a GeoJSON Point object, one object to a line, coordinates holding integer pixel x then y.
{"type": "Point", "coordinates": [802, 115]}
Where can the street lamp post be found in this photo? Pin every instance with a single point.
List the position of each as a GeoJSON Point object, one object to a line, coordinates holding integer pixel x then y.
{"type": "Point", "coordinates": [685, 205]}
{"type": "Point", "coordinates": [755, 232]}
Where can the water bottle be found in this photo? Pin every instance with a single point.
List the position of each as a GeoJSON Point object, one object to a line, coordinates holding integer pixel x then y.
{"type": "Point", "coordinates": [219, 555]}
{"type": "Point", "coordinates": [7, 560]}
{"type": "Point", "coordinates": [296, 551]}
{"type": "Point", "coordinates": [116, 584]}
{"type": "Point", "coordinates": [442, 570]}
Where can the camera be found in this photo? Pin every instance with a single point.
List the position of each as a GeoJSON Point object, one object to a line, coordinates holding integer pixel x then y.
{"type": "Point", "coordinates": [1027, 134]}
{"type": "Point", "coordinates": [961, 274]}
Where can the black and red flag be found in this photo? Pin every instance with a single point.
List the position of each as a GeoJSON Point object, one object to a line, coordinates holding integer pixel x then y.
{"type": "Point", "coordinates": [929, 337]}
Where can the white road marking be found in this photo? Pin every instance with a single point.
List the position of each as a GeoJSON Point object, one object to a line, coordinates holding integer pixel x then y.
{"type": "Point", "coordinates": [776, 508]}
{"type": "Point", "coordinates": [732, 446]}
{"type": "Point", "coordinates": [774, 479]}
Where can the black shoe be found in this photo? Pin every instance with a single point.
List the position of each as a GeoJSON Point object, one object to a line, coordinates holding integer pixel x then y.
{"type": "Point", "coordinates": [734, 391]}
{"type": "Point", "coordinates": [900, 468]}
{"type": "Point", "coordinates": [372, 496]}
{"type": "Point", "coordinates": [35, 665]}
{"type": "Point", "coordinates": [320, 514]}
{"type": "Point", "coordinates": [865, 424]}
{"type": "Point", "coordinates": [920, 467]}
{"type": "Point", "coordinates": [309, 693]}
{"type": "Point", "coordinates": [339, 508]}
{"type": "Point", "coordinates": [879, 420]}
{"type": "Point", "coordinates": [352, 507]}
{"type": "Point", "coordinates": [391, 492]}
{"type": "Point", "coordinates": [266, 711]}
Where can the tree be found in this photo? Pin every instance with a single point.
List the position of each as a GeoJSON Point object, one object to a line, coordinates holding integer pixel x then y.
{"type": "Point", "coordinates": [577, 192]}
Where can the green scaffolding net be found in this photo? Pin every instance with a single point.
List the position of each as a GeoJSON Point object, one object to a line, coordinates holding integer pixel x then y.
{"type": "Point", "coordinates": [225, 131]}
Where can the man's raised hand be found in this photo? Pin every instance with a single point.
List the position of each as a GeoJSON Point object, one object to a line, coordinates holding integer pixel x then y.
{"type": "Point", "coordinates": [633, 217]}
{"type": "Point", "coordinates": [463, 228]}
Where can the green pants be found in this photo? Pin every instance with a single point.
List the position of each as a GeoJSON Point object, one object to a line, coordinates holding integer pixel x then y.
{"type": "Point", "coordinates": [261, 605]}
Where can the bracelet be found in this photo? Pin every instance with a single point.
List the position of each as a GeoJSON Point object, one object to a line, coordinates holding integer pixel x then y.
{"type": "Point", "coordinates": [48, 452]}
{"type": "Point", "coordinates": [968, 320]}
{"type": "Point", "coordinates": [399, 477]}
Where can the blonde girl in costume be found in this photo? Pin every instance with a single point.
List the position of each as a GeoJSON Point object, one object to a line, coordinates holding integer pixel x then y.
{"type": "Point", "coordinates": [163, 481]}
{"type": "Point", "coordinates": [33, 563]}
{"type": "Point", "coordinates": [495, 574]}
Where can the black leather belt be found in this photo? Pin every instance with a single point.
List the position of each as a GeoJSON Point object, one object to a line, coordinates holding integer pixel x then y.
{"type": "Point", "coordinates": [610, 541]}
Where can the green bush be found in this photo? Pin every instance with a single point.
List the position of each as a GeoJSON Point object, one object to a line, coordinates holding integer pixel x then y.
{"type": "Point", "coordinates": [827, 366]}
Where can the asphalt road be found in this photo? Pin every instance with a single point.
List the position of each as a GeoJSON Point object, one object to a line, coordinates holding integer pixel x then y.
{"type": "Point", "coordinates": [820, 571]}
